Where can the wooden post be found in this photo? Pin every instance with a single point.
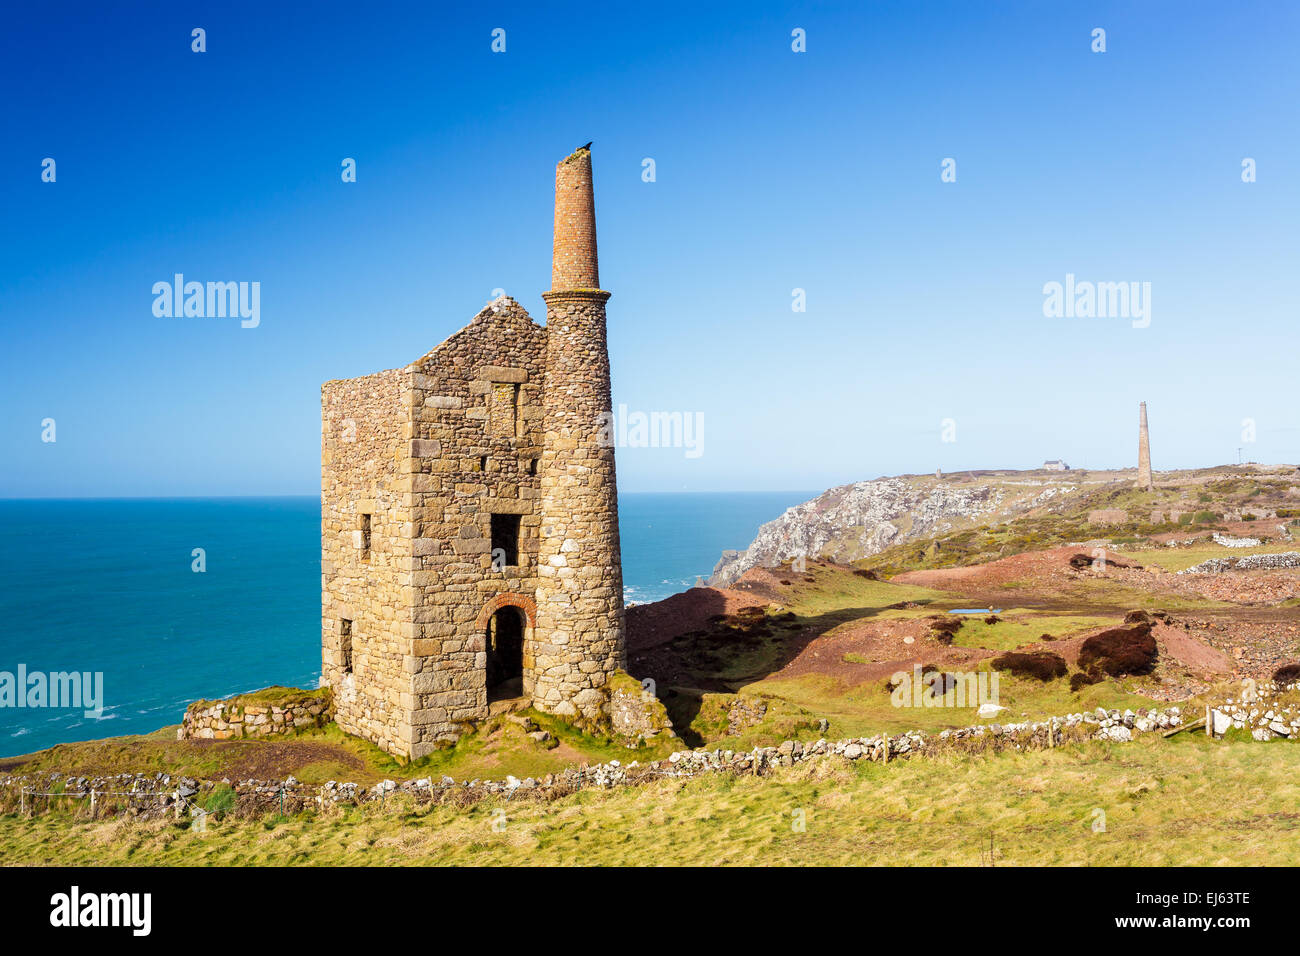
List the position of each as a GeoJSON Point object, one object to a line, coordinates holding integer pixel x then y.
{"type": "Point", "coordinates": [92, 804]}
{"type": "Point", "coordinates": [886, 748]}
{"type": "Point", "coordinates": [1181, 727]}
{"type": "Point", "coordinates": [22, 801]}
{"type": "Point", "coordinates": [1209, 721]}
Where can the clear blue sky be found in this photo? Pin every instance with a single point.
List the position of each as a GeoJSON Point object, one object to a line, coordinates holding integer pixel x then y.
{"type": "Point", "coordinates": [775, 170]}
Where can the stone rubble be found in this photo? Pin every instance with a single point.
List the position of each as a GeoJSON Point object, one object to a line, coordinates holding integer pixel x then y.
{"type": "Point", "coordinates": [1251, 562]}
{"type": "Point", "coordinates": [1230, 542]}
{"type": "Point", "coordinates": [1253, 711]}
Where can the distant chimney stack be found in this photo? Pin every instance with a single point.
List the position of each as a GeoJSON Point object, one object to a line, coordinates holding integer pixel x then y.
{"type": "Point", "coordinates": [1144, 451]}
{"type": "Point", "coordinates": [573, 256]}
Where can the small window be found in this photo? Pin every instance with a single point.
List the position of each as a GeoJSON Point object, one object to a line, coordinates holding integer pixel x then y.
{"type": "Point", "coordinates": [505, 538]}
{"type": "Point", "coordinates": [483, 463]}
{"type": "Point", "coordinates": [531, 467]}
{"type": "Point", "coordinates": [365, 537]}
{"type": "Point", "coordinates": [345, 644]}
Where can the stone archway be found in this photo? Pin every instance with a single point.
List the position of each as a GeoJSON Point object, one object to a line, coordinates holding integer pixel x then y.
{"type": "Point", "coordinates": [503, 639]}
{"type": "Point", "coordinates": [524, 602]}
{"type": "Point", "coordinates": [507, 623]}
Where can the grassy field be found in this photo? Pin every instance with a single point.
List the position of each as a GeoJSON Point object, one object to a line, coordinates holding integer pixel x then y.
{"type": "Point", "coordinates": [1017, 627]}
{"type": "Point", "coordinates": [826, 590]}
{"type": "Point", "coordinates": [1184, 801]}
{"type": "Point", "coordinates": [866, 709]}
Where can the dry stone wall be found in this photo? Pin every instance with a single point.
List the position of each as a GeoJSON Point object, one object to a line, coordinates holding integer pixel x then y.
{"type": "Point", "coordinates": [238, 718]}
{"type": "Point", "coordinates": [160, 794]}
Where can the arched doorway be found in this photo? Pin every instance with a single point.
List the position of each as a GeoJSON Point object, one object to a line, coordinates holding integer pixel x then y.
{"type": "Point", "coordinates": [505, 654]}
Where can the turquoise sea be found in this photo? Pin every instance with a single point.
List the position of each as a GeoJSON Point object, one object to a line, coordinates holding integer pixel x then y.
{"type": "Point", "coordinates": [105, 585]}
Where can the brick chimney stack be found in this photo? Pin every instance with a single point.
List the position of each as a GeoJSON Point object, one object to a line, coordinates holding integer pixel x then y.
{"type": "Point", "coordinates": [580, 640]}
{"type": "Point", "coordinates": [573, 257]}
{"type": "Point", "coordinates": [1144, 451]}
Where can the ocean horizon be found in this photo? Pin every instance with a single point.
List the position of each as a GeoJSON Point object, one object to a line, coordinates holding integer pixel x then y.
{"type": "Point", "coordinates": [106, 585]}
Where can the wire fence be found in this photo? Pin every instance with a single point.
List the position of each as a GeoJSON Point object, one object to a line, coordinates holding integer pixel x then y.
{"type": "Point", "coordinates": [28, 804]}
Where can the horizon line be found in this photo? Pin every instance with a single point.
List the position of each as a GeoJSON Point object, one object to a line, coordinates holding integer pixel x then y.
{"type": "Point", "coordinates": [668, 491]}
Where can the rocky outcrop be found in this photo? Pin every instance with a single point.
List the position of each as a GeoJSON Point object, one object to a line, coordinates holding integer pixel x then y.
{"type": "Point", "coordinates": [859, 520]}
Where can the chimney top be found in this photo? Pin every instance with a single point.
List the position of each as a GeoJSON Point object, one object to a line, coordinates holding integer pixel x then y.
{"type": "Point", "coordinates": [574, 263]}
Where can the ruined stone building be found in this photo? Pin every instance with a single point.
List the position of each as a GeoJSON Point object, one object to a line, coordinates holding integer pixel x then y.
{"type": "Point", "coordinates": [469, 525]}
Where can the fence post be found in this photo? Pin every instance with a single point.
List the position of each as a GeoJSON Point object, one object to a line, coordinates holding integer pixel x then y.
{"type": "Point", "coordinates": [92, 803]}
{"type": "Point", "coordinates": [1209, 721]}
{"type": "Point", "coordinates": [22, 801]}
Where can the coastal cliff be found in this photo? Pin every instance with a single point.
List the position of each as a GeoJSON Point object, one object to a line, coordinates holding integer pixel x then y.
{"type": "Point", "coordinates": [864, 518]}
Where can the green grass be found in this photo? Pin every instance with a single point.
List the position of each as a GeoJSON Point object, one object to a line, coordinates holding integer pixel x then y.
{"type": "Point", "coordinates": [1017, 627]}
{"type": "Point", "coordinates": [500, 746]}
{"type": "Point", "coordinates": [275, 696]}
{"type": "Point", "coordinates": [1091, 591]}
{"type": "Point", "coordinates": [835, 591]}
{"type": "Point", "coordinates": [866, 709]}
{"type": "Point", "coordinates": [1187, 801]}
{"type": "Point", "coordinates": [702, 718]}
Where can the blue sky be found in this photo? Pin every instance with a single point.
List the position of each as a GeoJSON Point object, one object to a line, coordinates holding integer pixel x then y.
{"type": "Point", "coordinates": [775, 170]}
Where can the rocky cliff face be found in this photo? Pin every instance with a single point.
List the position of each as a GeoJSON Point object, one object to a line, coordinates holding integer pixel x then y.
{"type": "Point", "coordinates": [858, 520]}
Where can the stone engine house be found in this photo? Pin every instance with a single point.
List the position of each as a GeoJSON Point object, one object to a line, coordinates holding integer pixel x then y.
{"type": "Point", "coordinates": [469, 515]}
